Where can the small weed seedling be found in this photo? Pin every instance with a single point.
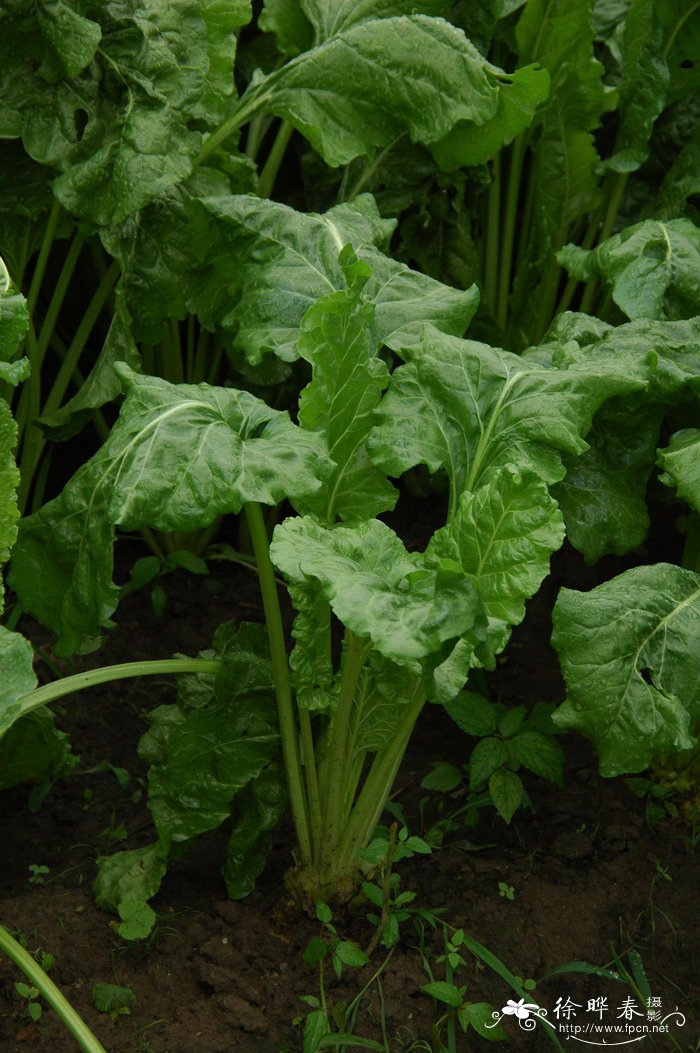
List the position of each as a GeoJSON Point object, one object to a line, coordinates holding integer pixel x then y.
{"type": "Point", "coordinates": [451, 997]}
{"type": "Point", "coordinates": [30, 995]}
{"type": "Point", "coordinates": [328, 946]}
{"type": "Point", "coordinates": [37, 872]}
{"type": "Point", "coordinates": [114, 1000]}
{"type": "Point", "coordinates": [506, 891]}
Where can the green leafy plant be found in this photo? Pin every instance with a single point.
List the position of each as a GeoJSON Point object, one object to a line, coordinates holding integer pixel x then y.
{"type": "Point", "coordinates": [510, 739]}
{"type": "Point", "coordinates": [33, 1008]}
{"type": "Point", "coordinates": [505, 890]}
{"type": "Point", "coordinates": [114, 1000]}
{"type": "Point", "coordinates": [561, 439]}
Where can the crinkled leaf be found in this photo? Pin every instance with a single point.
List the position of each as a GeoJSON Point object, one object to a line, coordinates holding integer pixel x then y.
{"type": "Point", "coordinates": [360, 88]}
{"type": "Point", "coordinates": [472, 409]}
{"type": "Point", "coordinates": [207, 755]}
{"type": "Point", "coordinates": [116, 121]}
{"type": "Point", "coordinates": [259, 808]}
{"type": "Point", "coordinates": [223, 18]}
{"type": "Point", "coordinates": [519, 95]}
{"type": "Point", "coordinates": [25, 195]}
{"type": "Point", "coordinates": [178, 457]}
{"type": "Point", "coordinates": [33, 750]}
{"type": "Point", "coordinates": [132, 876]}
{"type": "Point", "coordinates": [680, 461]}
{"type": "Point", "coordinates": [384, 688]}
{"type": "Point", "coordinates": [348, 381]}
{"type": "Point", "coordinates": [13, 325]}
{"type": "Point", "coordinates": [16, 661]}
{"type": "Point", "coordinates": [628, 650]}
{"type": "Point", "coordinates": [311, 656]}
{"type": "Point", "coordinates": [246, 668]}
{"type": "Point", "coordinates": [680, 22]}
{"type": "Point", "coordinates": [73, 39]}
{"type": "Point", "coordinates": [272, 263]}
{"type": "Point", "coordinates": [502, 536]}
{"type": "Point", "coordinates": [653, 267]}
{"type": "Point", "coordinates": [155, 254]}
{"type": "Point", "coordinates": [603, 495]}
{"type": "Point", "coordinates": [376, 588]}
{"type": "Point", "coordinates": [9, 478]}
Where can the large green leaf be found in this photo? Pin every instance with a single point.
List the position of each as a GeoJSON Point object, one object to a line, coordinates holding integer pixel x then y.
{"type": "Point", "coordinates": [154, 251]}
{"type": "Point", "coordinates": [383, 690]}
{"type": "Point", "coordinates": [206, 756]}
{"type": "Point", "coordinates": [178, 457]}
{"type": "Point", "coordinates": [129, 877]}
{"type": "Point", "coordinates": [348, 381]}
{"type": "Point", "coordinates": [377, 589]}
{"type": "Point", "coordinates": [653, 267]}
{"type": "Point", "coordinates": [292, 29]}
{"type": "Point", "coordinates": [259, 808]}
{"type": "Point", "coordinates": [9, 478]}
{"type": "Point", "coordinates": [358, 89]}
{"type": "Point", "coordinates": [680, 461]}
{"type": "Point", "coordinates": [603, 496]}
{"type": "Point", "coordinates": [329, 17]}
{"type": "Point", "coordinates": [645, 78]}
{"type": "Point", "coordinates": [681, 182]}
{"type": "Point", "coordinates": [116, 120]}
{"type": "Point", "coordinates": [629, 653]}
{"type": "Point", "coordinates": [211, 752]}
{"type": "Point", "coordinates": [272, 263]}
{"type": "Point", "coordinates": [156, 282]}
{"type": "Point", "coordinates": [519, 95]}
{"type": "Point", "coordinates": [502, 536]}
{"type": "Point", "coordinates": [16, 661]}
{"type": "Point", "coordinates": [33, 750]}
{"type": "Point", "coordinates": [472, 409]}
{"type": "Point", "coordinates": [25, 196]}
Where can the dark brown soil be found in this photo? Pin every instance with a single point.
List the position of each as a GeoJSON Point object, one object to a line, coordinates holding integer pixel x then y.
{"type": "Point", "coordinates": [589, 878]}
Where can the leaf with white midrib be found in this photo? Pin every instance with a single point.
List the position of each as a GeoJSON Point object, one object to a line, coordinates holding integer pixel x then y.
{"type": "Point", "coordinates": [178, 457]}
{"type": "Point", "coordinates": [628, 651]}
{"type": "Point", "coordinates": [471, 409]}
